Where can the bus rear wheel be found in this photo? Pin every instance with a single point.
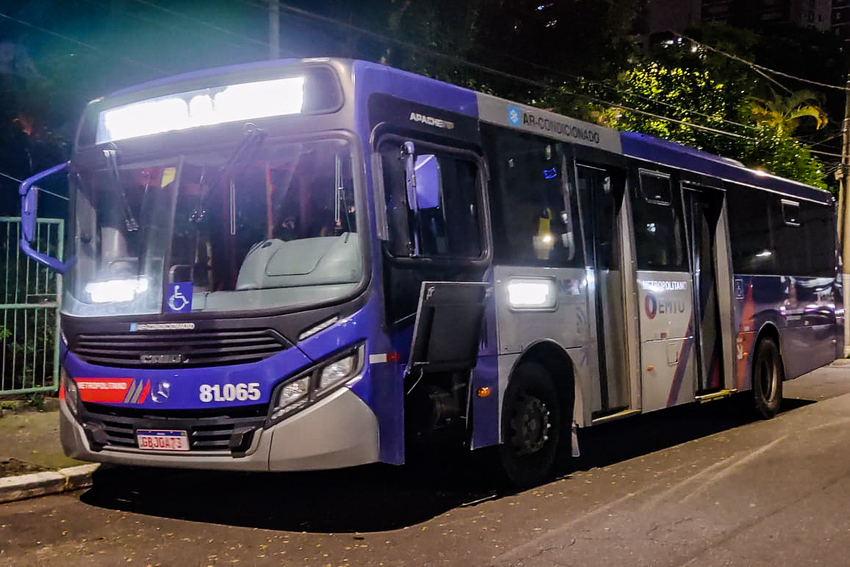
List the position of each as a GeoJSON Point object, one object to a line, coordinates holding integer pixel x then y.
{"type": "Point", "coordinates": [767, 379]}
{"type": "Point", "coordinates": [531, 426]}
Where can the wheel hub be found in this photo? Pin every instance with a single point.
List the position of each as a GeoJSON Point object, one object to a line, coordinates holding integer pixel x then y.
{"type": "Point", "coordinates": [530, 424]}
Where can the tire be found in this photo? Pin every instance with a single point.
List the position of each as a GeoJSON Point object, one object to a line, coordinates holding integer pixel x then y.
{"type": "Point", "coordinates": [531, 426]}
{"type": "Point", "coordinates": [768, 375]}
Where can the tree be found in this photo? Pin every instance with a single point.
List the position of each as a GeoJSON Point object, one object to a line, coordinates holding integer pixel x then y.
{"type": "Point", "coordinates": [714, 116]}
{"type": "Point", "coordinates": [786, 113]}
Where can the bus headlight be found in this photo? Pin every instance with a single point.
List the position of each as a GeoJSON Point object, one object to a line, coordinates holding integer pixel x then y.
{"type": "Point", "coordinates": [293, 395]}
{"type": "Point", "coordinates": [72, 394]}
{"type": "Point", "coordinates": [320, 380]}
{"type": "Point", "coordinates": [337, 371]}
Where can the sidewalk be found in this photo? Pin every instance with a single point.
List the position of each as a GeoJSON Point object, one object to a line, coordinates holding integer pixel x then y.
{"type": "Point", "coordinates": [31, 459]}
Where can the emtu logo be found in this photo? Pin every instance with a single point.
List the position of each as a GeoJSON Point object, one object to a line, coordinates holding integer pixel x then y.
{"type": "Point", "coordinates": [650, 305]}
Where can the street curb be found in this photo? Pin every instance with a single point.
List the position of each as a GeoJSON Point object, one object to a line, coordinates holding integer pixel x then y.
{"type": "Point", "coordinates": [40, 484]}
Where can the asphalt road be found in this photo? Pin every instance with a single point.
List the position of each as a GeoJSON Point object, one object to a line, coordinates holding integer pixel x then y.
{"type": "Point", "coordinates": [702, 485]}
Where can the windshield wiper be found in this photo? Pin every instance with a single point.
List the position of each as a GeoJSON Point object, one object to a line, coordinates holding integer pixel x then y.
{"type": "Point", "coordinates": [253, 139]}
{"type": "Point", "coordinates": [130, 222]}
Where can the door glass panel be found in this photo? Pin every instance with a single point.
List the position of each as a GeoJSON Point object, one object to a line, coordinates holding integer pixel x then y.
{"type": "Point", "coordinates": [659, 232]}
{"type": "Point", "coordinates": [602, 196]}
{"type": "Point", "coordinates": [704, 212]}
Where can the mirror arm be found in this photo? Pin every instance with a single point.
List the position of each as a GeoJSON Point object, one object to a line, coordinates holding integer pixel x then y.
{"type": "Point", "coordinates": [408, 154]}
{"type": "Point", "coordinates": [29, 217]}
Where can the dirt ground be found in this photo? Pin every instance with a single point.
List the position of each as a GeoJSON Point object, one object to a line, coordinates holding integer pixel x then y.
{"type": "Point", "coordinates": [29, 442]}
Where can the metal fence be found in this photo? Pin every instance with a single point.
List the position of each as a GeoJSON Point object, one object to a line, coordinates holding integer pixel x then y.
{"type": "Point", "coordinates": [29, 309]}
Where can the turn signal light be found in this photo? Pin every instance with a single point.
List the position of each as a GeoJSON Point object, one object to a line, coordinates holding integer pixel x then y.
{"type": "Point", "coordinates": [483, 392]}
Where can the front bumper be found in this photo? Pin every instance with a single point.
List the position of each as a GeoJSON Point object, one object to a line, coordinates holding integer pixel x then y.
{"type": "Point", "coordinates": [337, 431]}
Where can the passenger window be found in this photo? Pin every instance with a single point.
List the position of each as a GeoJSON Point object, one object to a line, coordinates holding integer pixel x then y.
{"type": "Point", "coordinates": [819, 227]}
{"type": "Point", "coordinates": [534, 206]}
{"type": "Point", "coordinates": [659, 230]}
{"type": "Point", "coordinates": [438, 216]}
{"type": "Point", "coordinates": [791, 212]}
{"type": "Point", "coordinates": [655, 188]}
{"type": "Point", "coordinates": [752, 231]}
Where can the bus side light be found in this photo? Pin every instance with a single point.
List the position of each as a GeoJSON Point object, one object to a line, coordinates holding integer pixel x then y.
{"type": "Point", "coordinates": [483, 392]}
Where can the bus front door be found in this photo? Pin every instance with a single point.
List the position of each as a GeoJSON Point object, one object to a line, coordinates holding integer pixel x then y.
{"type": "Point", "coordinates": [707, 245]}
{"type": "Point", "coordinates": [601, 193]}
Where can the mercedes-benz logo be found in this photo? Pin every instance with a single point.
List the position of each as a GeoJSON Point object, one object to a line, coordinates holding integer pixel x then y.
{"type": "Point", "coordinates": [161, 392]}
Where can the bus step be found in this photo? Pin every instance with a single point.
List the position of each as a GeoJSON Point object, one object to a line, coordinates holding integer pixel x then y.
{"type": "Point", "coordinates": [615, 416]}
{"type": "Point", "coordinates": [715, 396]}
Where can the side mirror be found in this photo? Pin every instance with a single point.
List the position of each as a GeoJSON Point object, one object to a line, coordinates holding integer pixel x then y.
{"type": "Point", "coordinates": [423, 185]}
{"type": "Point", "coordinates": [427, 181]}
{"type": "Point", "coordinates": [29, 218]}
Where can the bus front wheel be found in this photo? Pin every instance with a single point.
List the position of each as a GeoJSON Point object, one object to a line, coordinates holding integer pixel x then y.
{"type": "Point", "coordinates": [767, 379]}
{"type": "Point", "coordinates": [531, 426]}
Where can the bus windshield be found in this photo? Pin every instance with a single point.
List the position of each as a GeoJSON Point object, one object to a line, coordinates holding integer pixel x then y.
{"type": "Point", "coordinates": [267, 226]}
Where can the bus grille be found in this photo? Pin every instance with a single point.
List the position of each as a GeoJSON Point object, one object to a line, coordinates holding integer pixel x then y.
{"type": "Point", "coordinates": [178, 350]}
{"type": "Point", "coordinates": [233, 430]}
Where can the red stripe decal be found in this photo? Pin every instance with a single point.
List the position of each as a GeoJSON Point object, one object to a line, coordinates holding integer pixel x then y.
{"type": "Point", "coordinates": [104, 390]}
{"type": "Point", "coordinates": [145, 392]}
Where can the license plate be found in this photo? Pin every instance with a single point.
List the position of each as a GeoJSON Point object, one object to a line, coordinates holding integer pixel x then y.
{"type": "Point", "coordinates": [162, 440]}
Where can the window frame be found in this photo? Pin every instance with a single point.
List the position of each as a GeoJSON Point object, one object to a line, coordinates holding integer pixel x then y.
{"type": "Point", "coordinates": [635, 190]}
{"type": "Point", "coordinates": [90, 159]}
{"type": "Point", "coordinates": [657, 175]}
{"type": "Point", "coordinates": [570, 200]}
{"type": "Point", "coordinates": [785, 204]}
{"type": "Point", "coordinates": [425, 147]}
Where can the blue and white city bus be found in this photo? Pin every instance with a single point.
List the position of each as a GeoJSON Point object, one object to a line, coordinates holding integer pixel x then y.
{"type": "Point", "coordinates": [318, 263]}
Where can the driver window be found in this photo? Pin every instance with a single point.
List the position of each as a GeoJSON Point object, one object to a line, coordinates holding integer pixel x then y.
{"type": "Point", "coordinates": [439, 219]}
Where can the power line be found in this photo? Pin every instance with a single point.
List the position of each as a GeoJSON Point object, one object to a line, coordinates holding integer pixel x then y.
{"type": "Point", "coordinates": [616, 90]}
{"type": "Point", "coordinates": [264, 44]}
{"type": "Point", "coordinates": [82, 44]}
{"type": "Point", "coordinates": [7, 176]}
{"type": "Point", "coordinates": [825, 153]}
{"type": "Point", "coordinates": [40, 190]}
{"type": "Point", "coordinates": [757, 67]}
{"type": "Point", "coordinates": [312, 15]}
{"type": "Point", "coordinates": [650, 99]}
{"type": "Point", "coordinates": [172, 26]}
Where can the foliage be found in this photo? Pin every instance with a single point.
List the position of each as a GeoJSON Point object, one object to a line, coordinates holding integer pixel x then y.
{"type": "Point", "coordinates": [36, 400]}
{"type": "Point", "coordinates": [758, 132]}
{"type": "Point", "coordinates": [687, 96]}
{"type": "Point", "coordinates": [548, 45]}
{"type": "Point", "coordinates": [776, 151]}
{"type": "Point", "coordinates": [786, 113]}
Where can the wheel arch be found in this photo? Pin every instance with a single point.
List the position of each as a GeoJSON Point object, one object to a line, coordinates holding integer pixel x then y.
{"type": "Point", "coordinates": [561, 368]}
{"type": "Point", "coordinates": [768, 330]}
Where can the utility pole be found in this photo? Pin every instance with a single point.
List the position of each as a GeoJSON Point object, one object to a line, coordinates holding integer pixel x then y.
{"type": "Point", "coordinates": [274, 29]}
{"type": "Point", "coordinates": [845, 210]}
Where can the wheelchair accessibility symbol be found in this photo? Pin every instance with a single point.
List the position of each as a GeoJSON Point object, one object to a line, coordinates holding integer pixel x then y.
{"type": "Point", "coordinates": [179, 297]}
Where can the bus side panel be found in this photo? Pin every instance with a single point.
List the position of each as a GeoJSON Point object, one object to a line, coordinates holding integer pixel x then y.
{"type": "Point", "coordinates": [744, 325]}
{"type": "Point", "coordinates": [810, 318]}
{"type": "Point", "coordinates": [802, 310]}
{"type": "Point", "coordinates": [567, 324]}
{"type": "Point", "coordinates": [485, 375]}
{"type": "Point", "coordinates": [665, 302]}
